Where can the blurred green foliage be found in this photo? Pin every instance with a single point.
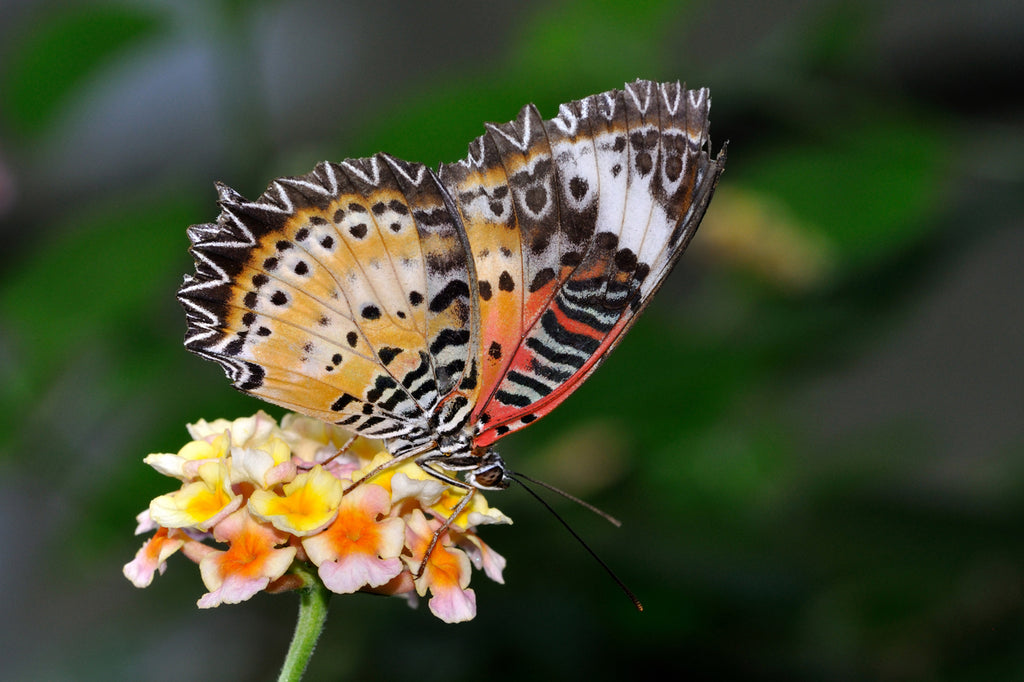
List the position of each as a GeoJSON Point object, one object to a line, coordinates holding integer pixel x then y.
{"type": "Point", "coordinates": [770, 534]}
{"type": "Point", "coordinates": [68, 46]}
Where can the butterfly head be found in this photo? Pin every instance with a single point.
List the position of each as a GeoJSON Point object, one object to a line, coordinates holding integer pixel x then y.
{"type": "Point", "coordinates": [490, 473]}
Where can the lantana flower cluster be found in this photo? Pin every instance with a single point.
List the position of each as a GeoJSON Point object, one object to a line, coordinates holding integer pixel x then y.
{"type": "Point", "coordinates": [256, 498]}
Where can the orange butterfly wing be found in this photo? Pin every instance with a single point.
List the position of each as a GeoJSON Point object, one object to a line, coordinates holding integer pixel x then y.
{"type": "Point", "coordinates": [344, 294]}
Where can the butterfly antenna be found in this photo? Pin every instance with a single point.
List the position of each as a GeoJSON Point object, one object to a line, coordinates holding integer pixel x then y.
{"type": "Point", "coordinates": [569, 496]}
{"type": "Point", "coordinates": [518, 479]}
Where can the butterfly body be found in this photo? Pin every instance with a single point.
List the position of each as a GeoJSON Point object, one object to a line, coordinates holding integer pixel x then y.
{"type": "Point", "coordinates": [442, 311]}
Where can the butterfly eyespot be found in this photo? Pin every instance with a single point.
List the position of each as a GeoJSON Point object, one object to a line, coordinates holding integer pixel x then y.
{"type": "Point", "coordinates": [491, 477]}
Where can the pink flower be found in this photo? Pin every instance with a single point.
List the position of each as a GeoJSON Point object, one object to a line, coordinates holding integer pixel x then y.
{"type": "Point", "coordinates": [249, 564]}
{"type": "Point", "coordinates": [446, 573]}
{"type": "Point", "coordinates": [152, 557]}
{"type": "Point", "coordinates": [254, 500]}
{"type": "Point", "coordinates": [483, 557]}
{"type": "Point", "coordinates": [357, 550]}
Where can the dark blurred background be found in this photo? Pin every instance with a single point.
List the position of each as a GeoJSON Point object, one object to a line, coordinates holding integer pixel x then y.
{"type": "Point", "coordinates": [814, 436]}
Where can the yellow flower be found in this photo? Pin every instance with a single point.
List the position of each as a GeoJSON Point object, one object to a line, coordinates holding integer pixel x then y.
{"type": "Point", "coordinates": [476, 513]}
{"type": "Point", "coordinates": [185, 463]}
{"type": "Point", "coordinates": [200, 504]}
{"type": "Point", "coordinates": [264, 466]}
{"type": "Point", "coordinates": [271, 498]}
{"type": "Point", "coordinates": [245, 432]}
{"type": "Point", "coordinates": [308, 504]}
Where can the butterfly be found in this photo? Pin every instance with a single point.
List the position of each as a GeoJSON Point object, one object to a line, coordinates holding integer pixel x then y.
{"type": "Point", "coordinates": [441, 311]}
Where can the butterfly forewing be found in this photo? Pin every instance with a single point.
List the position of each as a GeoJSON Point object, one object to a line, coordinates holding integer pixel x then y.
{"type": "Point", "coordinates": [655, 179]}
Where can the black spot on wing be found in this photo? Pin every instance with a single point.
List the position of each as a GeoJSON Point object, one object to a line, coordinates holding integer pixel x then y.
{"type": "Point", "coordinates": [453, 290]}
{"type": "Point", "coordinates": [387, 354]}
{"type": "Point", "coordinates": [343, 402]}
{"type": "Point", "coordinates": [449, 337]}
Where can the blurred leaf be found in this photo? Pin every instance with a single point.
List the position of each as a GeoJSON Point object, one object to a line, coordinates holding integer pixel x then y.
{"type": "Point", "coordinates": [59, 51]}
{"type": "Point", "coordinates": [82, 283]}
{"type": "Point", "coordinates": [566, 50]}
{"type": "Point", "coordinates": [867, 188]}
{"type": "Point", "coordinates": [836, 39]}
{"type": "Point", "coordinates": [595, 42]}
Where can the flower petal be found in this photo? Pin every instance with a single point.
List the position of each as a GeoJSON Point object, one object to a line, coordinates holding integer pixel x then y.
{"type": "Point", "coordinates": [446, 574]}
{"type": "Point", "coordinates": [308, 504]}
{"type": "Point", "coordinates": [357, 550]}
{"type": "Point", "coordinates": [483, 557]}
{"type": "Point", "coordinates": [453, 606]}
{"type": "Point", "coordinates": [201, 504]}
{"type": "Point", "coordinates": [152, 557]}
{"type": "Point", "coordinates": [248, 565]}
{"type": "Point", "coordinates": [264, 466]}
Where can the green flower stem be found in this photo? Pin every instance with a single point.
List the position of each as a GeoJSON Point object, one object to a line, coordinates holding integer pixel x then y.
{"type": "Point", "coordinates": [312, 614]}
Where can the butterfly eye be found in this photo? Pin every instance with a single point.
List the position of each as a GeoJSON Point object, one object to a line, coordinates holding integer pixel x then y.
{"type": "Point", "coordinates": [489, 476]}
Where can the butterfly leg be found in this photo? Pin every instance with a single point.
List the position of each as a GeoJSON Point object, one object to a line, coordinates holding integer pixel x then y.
{"type": "Point", "coordinates": [306, 466]}
{"type": "Point", "coordinates": [415, 453]}
{"type": "Point", "coordinates": [486, 471]}
{"type": "Point", "coordinates": [459, 508]}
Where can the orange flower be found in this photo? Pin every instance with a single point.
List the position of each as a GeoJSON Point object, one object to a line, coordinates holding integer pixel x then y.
{"type": "Point", "coordinates": [446, 574]}
{"type": "Point", "coordinates": [250, 563]}
{"type": "Point", "coordinates": [357, 550]}
{"type": "Point", "coordinates": [271, 497]}
{"type": "Point", "coordinates": [152, 557]}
